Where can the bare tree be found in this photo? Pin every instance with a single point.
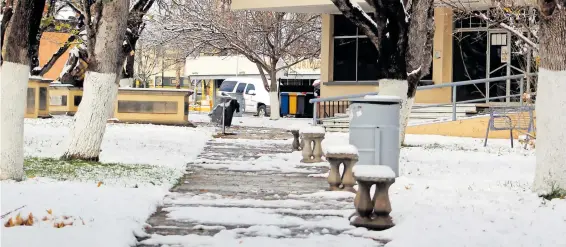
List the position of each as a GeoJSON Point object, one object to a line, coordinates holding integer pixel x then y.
{"type": "Point", "coordinates": [106, 24]}
{"type": "Point", "coordinates": [22, 28]}
{"type": "Point", "coordinates": [520, 20]}
{"type": "Point", "coordinates": [73, 72]}
{"type": "Point", "coordinates": [273, 41]}
{"type": "Point", "coordinates": [402, 31]}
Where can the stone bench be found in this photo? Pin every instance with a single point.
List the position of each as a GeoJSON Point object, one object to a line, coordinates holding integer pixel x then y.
{"type": "Point", "coordinates": [297, 146]}
{"type": "Point", "coordinates": [312, 144]}
{"type": "Point", "coordinates": [373, 213]}
{"type": "Point", "coordinates": [336, 156]}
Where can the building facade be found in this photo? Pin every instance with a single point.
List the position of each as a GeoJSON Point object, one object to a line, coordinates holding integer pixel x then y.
{"type": "Point", "coordinates": [463, 49]}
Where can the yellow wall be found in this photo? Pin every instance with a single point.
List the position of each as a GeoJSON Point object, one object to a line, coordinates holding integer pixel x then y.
{"type": "Point", "coordinates": [472, 127]}
{"type": "Point", "coordinates": [152, 96]}
{"type": "Point", "coordinates": [70, 92]}
{"type": "Point", "coordinates": [34, 111]}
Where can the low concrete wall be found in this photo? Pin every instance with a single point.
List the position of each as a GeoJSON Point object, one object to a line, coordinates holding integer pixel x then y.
{"type": "Point", "coordinates": [148, 105]}
{"type": "Point", "coordinates": [474, 127]}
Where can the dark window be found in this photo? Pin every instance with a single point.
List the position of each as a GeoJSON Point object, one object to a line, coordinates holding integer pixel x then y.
{"type": "Point", "coordinates": [30, 108]}
{"type": "Point", "coordinates": [355, 57]}
{"type": "Point", "coordinates": [367, 60]}
{"type": "Point", "coordinates": [227, 86]}
{"type": "Point", "coordinates": [241, 88]}
{"type": "Point", "coordinates": [78, 100]}
{"type": "Point", "coordinates": [343, 27]}
{"type": "Point", "coordinates": [250, 87]}
{"type": "Point", "coordinates": [42, 98]}
{"type": "Point", "coordinates": [345, 59]}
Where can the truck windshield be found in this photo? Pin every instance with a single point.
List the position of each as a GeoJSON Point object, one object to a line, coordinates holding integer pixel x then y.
{"type": "Point", "coordinates": [227, 86]}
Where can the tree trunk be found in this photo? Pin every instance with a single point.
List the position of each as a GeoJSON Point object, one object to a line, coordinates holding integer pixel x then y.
{"type": "Point", "coordinates": [101, 83]}
{"type": "Point", "coordinates": [274, 96]}
{"type": "Point", "coordinates": [128, 73]}
{"type": "Point", "coordinates": [550, 173]}
{"type": "Point", "coordinates": [13, 88]}
{"type": "Point", "coordinates": [399, 88]}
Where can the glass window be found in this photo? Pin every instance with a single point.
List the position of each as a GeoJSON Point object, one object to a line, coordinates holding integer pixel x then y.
{"type": "Point", "coordinates": [250, 87]}
{"type": "Point", "coordinates": [241, 88]}
{"type": "Point", "coordinates": [343, 27]}
{"type": "Point", "coordinates": [355, 57]}
{"type": "Point", "coordinates": [30, 109]}
{"type": "Point", "coordinates": [345, 59]}
{"type": "Point", "coordinates": [367, 60]}
{"type": "Point", "coordinates": [228, 86]}
{"type": "Point", "coordinates": [42, 98]}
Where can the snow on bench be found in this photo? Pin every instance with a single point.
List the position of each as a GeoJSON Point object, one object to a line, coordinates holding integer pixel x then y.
{"type": "Point", "coordinates": [341, 149]}
{"type": "Point", "coordinates": [373, 173]}
{"type": "Point", "coordinates": [312, 130]}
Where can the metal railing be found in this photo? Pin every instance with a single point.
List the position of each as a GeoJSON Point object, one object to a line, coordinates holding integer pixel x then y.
{"type": "Point", "coordinates": [335, 101]}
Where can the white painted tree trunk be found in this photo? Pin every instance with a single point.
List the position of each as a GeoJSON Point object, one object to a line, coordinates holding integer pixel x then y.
{"type": "Point", "coordinates": [399, 88]}
{"type": "Point", "coordinates": [13, 92]}
{"type": "Point", "coordinates": [97, 106]}
{"type": "Point", "coordinates": [274, 102]}
{"type": "Point", "coordinates": [551, 132]}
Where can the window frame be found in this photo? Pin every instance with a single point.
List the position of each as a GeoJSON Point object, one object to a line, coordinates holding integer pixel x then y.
{"type": "Point", "coordinates": [357, 37]}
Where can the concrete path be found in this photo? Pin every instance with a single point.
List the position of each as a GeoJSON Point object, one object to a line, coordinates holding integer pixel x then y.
{"type": "Point", "coordinates": [207, 201]}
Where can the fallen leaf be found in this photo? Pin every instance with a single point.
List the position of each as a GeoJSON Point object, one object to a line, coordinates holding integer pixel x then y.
{"type": "Point", "coordinates": [45, 218]}
{"type": "Point", "coordinates": [49, 211]}
{"type": "Point", "coordinates": [10, 223]}
{"type": "Point", "coordinates": [203, 191]}
{"type": "Point", "coordinates": [29, 221]}
{"type": "Point", "coordinates": [19, 220]}
{"type": "Point", "coordinates": [99, 183]}
{"type": "Point", "coordinates": [65, 217]}
{"type": "Point", "coordinates": [59, 225]}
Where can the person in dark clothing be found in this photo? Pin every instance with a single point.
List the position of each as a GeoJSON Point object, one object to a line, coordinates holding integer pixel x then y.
{"type": "Point", "coordinates": [233, 106]}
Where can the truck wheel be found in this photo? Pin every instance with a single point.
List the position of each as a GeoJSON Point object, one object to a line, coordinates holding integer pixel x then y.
{"type": "Point", "coordinates": [261, 111]}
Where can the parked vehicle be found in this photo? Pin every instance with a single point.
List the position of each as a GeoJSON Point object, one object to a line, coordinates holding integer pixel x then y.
{"type": "Point", "coordinates": [255, 96]}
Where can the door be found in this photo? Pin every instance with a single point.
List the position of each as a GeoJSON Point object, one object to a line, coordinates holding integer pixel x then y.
{"type": "Point", "coordinates": [250, 98]}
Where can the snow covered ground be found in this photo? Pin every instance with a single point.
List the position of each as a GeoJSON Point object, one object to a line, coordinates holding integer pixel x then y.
{"type": "Point", "coordinates": [455, 192]}
{"type": "Point", "coordinates": [105, 215]}
{"type": "Point", "coordinates": [251, 121]}
{"type": "Point", "coordinates": [451, 192]}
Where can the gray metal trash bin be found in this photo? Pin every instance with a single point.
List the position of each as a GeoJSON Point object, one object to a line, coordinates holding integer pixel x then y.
{"type": "Point", "coordinates": [374, 130]}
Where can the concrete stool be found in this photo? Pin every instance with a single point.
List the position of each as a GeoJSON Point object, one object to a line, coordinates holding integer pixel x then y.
{"type": "Point", "coordinates": [336, 156]}
{"type": "Point", "coordinates": [312, 144]}
{"type": "Point", "coordinates": [373, 214]}
{"type": "Point", "coordinates": [297, 146]}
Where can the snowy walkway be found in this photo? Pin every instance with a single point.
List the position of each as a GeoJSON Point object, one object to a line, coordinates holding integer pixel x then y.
{"type": "Point", "coordinates": [225, 201]}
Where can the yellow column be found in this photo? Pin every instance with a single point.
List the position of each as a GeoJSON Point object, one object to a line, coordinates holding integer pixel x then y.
{"type": "Point", "coordinates": [326, 52]}
{"type": "Point", "coordinates": [442, 58]}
